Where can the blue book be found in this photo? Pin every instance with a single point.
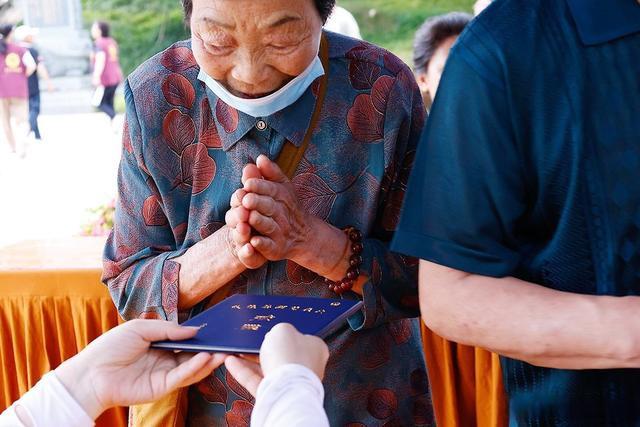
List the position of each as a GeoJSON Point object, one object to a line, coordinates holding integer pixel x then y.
{"type": "Point", "coordinates": [239, 323]}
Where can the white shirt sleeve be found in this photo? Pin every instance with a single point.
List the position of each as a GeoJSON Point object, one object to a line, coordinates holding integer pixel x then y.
{"type": "Point", "coordinates": [48, 403]}
{"type": "Point", "coordinates": [28, 60]}
{"type": "Point", "coordinates": [291, 396]}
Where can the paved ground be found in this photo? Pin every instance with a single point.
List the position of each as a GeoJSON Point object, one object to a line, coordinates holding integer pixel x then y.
{"type": "Point", "coordinates": [47, 194]}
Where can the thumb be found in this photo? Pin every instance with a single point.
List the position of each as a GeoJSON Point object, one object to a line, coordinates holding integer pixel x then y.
{"type": "Point", "coordinates": [191, 369]}
{"type": "Point", "coordinates": [270, 170]}
{"type": "Point", "coordinates": [250, 171]}
{"type": "Point", "coordinates": [247, 373]}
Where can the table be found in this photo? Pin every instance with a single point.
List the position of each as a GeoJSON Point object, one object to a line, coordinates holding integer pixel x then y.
{"type": "Point", "coordinates": [52, 305]}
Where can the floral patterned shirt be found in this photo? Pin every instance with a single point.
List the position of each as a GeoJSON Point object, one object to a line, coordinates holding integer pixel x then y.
{"type": "Point", "coordinates": [183, 153]}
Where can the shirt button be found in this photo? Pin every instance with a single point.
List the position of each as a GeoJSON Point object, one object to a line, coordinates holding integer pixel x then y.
{"type": "Point", "coordinates": [261, 125]}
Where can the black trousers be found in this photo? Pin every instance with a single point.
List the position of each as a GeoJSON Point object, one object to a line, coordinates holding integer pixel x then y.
{"type": "Point", "coordinates": [106, 105]}
{"type": "Point", "coordinates": [34, 112]}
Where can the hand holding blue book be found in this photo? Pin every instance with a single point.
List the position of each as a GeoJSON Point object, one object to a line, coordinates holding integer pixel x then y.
{"type": "Point", "coordinates": [239, 323]}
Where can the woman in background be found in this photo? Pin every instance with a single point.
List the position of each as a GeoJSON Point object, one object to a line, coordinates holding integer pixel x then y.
{"type": "Point", "coordinates": [466, 381]}
{"type": "Point", "coordinates": [106, 69]}
{"type": "Point", "coordinates": [26, 36]}
{"type": "Point", "coordinates": [16, 64]}
{"type": "Point", "coordinates": [431, 46]}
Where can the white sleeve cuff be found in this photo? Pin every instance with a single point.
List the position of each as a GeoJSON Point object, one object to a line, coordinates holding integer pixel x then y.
{"type": "Point", "coordinates": [49, 403]}
{"type": "Point", "coordinates": [292, 395]}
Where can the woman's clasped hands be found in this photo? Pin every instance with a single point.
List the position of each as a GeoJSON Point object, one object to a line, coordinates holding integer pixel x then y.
{"type": "Point", "coordinates": [266, 220]}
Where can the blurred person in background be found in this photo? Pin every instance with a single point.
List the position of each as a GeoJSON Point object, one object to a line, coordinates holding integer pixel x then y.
{"type": "Point", "coordinates": [16, 64]}
{"type": "Point", "coordinates": [343, 22]}
{"type": "Point", "coordinates": [26, 36]}
{"type": "Point", "coordinates": [107, 74]}
{"type": "Point", "coordinates": [431, 46]}
{"type": "Point", "coordinates": [480, 5]}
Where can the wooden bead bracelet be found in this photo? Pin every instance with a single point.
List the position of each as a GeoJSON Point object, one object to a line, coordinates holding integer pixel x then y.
{"type": "Point", "coordinates": [355, 261]}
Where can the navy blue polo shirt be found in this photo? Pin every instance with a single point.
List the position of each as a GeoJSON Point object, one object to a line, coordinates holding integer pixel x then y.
{"type": "Point", "coordinates": [529, 166]}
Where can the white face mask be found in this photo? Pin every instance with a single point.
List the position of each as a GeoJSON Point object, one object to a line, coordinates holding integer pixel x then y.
{"type": "Point", "coordinates": [267, 105]}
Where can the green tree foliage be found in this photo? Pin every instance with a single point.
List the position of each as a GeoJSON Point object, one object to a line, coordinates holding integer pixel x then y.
{"type": "Point", "coordinates": [141, 27]}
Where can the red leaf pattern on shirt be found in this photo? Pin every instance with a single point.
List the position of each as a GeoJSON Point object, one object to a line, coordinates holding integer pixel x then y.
{"type": "Point", "coordinates": [227, 116]}
{"type": "Point", "coordinates": [197, 167]}
{"type": "Point", "coordinates": [208, 131]}
{"type": "Point", "coordinates": [314, 194]}
{"type": "Point", "coordinates": [382, 403]}
{"type": "Point", "coordinates": [178, 130]}
{"type": "Point", "coordinates": [178, 91]}
{"type": "Point", "coordinates": [152, 212]}
{"type": "Point", "coordinates": [178, 59]}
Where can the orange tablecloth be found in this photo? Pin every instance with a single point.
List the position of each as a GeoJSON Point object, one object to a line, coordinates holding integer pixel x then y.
{"type": "Point", "coordinates": [52, 305]}
{"type": "Point", "coordinates": [466, 383]}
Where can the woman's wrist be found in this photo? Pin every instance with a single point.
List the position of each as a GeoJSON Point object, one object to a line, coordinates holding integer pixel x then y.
{"type": "Point", "coordinates": [78, 378]}
{"type": "Point", "coordinates": [323, 251]}
{"type": "Point", "coordinates": [206, 267]}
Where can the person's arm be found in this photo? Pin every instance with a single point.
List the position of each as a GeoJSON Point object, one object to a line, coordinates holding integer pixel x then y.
{"type": "Point", "coordinates": [287, 382]}
{"type": "Point", "coordinates": [44, 74]}
{"type": "Point", "coordinates": [529, 322]}
{"type": "Point", "coordinates": [117, 369]}
{"type": "Point", "coordinates": [291, 395]}
{"type": "Point", "coordinates": [29, 63]}
{"type": "Point", "coordinates": [98, 66]}
{"type": "Point", "coordinates": [147, 274]}
{"type": "Point", "coordinates": [47, 403]}
{"type": "Point", "coordinates": [206, 267]}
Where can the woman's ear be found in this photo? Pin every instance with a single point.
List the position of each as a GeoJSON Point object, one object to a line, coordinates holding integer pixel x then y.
{"type": "Point", "coordinates": [421, 79]}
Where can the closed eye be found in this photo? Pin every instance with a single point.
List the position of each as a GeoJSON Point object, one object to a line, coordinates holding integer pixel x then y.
{"type": "Point", "coordinates": [218, 50]}
{"type": "Point", "coordinates": [282, 48]}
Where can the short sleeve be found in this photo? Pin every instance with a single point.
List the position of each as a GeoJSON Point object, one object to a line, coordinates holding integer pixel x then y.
{"type": "Point", "coordinates": [28, 60]}
{"type": "Point", "coordinates": [466, 194]}
{"type": "Point", "coordinates": [101, 45]}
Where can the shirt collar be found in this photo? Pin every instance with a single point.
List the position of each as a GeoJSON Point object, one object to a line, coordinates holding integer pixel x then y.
{"type": "Point", "coordinates": [291, 122]}
{"type": "Point", "coordinates": [600, 21]}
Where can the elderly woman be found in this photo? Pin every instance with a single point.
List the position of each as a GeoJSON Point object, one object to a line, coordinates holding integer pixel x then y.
{"type": "Point", "coordinates": [266, 156]}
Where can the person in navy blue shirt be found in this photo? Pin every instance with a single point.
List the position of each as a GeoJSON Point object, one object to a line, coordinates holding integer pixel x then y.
{"type": "Point", "coordinates": [27, 36]}
{"type": "Point", "coordinates": [524, 206]}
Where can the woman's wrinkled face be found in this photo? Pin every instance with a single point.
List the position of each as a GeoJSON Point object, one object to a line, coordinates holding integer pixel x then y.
{"type": "Point", "coordinates": [254, 48]}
